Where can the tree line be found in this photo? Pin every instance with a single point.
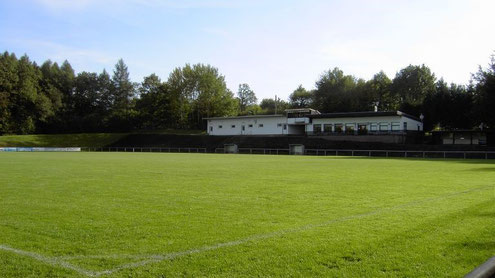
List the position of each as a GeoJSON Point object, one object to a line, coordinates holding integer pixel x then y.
{"type": "Point", "coordinates": [51, 98]}
{"type": "Point", "coordinates": [414, 90]}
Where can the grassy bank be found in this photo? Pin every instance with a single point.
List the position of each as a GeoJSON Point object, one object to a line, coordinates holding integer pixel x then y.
{"type": "Point", "coordinates": [60, 140]}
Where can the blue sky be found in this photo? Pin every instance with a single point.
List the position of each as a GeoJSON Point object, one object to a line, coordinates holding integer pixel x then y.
{"type": "Point", "coordinates": [272, 45]}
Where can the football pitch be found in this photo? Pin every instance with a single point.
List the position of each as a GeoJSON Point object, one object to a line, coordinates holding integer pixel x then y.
{"type": "Point", "coordinates": [168, 215]}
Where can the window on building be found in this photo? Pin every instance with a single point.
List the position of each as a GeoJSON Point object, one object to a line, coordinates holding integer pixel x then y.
{"type": "Point", "coordinates": [383, 126]}
{"type": "Point", "coordinates": [260, 125]}
{"type": "Point", "coordinates": [233, 126]}
{"type": "Point", "coordinates": [362, 129]}
{"type": "Point", "coordinates": [395, 126]}
{"type": "Point", "coordinates": [373, 127]}
{"type": "Point", "coordinates": [405, 126]}
{"type": "Point", "coordinates": [250, 125]}
{"type": "Point", "coordinates": [339, 128]}
{"type": "Point", "coordinates": [327, 128]}
{"type": "Point", "coordinates": [219, 126]}
{"type": "Point", "coordinates": [285, 127]}
{"type": "Point", "coordinates": [279, 125]}
{"type": "Point", "coordinates": [317, 128]}
{"type": "Point", "coordinates": [243, 128]}
{"type": "Point", "coordinates": [350, 128]}
{"type": "Point", "coordinates": [211, 128]}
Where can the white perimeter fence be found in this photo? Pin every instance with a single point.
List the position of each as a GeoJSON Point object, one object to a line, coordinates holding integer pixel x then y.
{"type": "Point", "coordinates": [317, 152]}
{"type": "Point", "coordinates": [145, 149]}
{"type": "Point", "coordinates": [23, 149]}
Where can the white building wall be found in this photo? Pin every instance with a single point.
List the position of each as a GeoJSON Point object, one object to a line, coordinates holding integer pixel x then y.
{"type": "Point", "coordinates": [278, 125]}
{"type": "Point", "coordinates": [252, 126]}
{"type": "Point", "coordinates": [413, 125]}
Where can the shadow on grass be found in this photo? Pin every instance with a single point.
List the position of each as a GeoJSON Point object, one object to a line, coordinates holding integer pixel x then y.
{"type": "Point", "coordinates": [444, 160]}
{"type": "Point", "coordinates": [461, 248]}
{"type": "Point", "coordinates": [476, 245]}
{"type": "Point", "coordinates": [483, 169]}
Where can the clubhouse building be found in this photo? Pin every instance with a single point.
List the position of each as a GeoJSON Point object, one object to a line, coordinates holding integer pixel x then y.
{"type": "Point", "coordinates": [311, 122]}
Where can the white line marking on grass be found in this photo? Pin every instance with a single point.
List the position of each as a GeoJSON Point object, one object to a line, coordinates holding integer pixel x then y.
{"type": "Point", "coordinates": [58, 261]}
{"type": "Point", "coordinates": [170, 256]}
{"type": "Point", "coordinates": [107, 256]}
{"type": "Point", "coordinates": [49, 260]}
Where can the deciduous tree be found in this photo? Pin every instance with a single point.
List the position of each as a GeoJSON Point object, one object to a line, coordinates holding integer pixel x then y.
{"type": "Point", "coordinates": [246, 97]}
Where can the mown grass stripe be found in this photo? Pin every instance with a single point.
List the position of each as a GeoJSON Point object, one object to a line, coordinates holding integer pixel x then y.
{"type": "Point", "coordinates": [163, 257]}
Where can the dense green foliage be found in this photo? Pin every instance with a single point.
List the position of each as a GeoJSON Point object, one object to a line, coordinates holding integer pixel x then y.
{"type": "Point", "coordinates": [273, 106]}
{"type": "Point", "coordinates": [243, 215]}
{"type": "Point", "coordinates": [53, 99]}
{"type": "Point", "coordinates": [301, 98]}
{"type": "Point", "coordinates": [413, 90]}
{"type": "Point", "coordinates": [485, 94]}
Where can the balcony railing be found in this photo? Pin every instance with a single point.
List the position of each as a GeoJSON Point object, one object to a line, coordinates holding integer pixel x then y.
{"type": "Point", "coordinates": [357, 132]}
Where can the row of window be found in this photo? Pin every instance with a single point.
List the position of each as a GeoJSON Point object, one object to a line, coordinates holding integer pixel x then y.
{"type": "Point", "coordinates": [259, 125]}
{"type": "Point", "coordinates": [233, 126]}
{"type": "Point", "coordinates": [339, 128]}
{"type": "Point", "coordinates": [250, 126]}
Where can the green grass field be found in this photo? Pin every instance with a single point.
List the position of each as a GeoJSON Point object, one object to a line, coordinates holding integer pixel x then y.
{"type": "Point", "coordinates": [167, 215]}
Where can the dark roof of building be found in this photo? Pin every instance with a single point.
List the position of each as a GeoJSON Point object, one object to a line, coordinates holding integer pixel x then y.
{"type": "Point", "coordinates": [244, 117]}
{"type": "Point", "coordinates": [363, 114]}
{"type": "Point", "coordinates": [302, 110]}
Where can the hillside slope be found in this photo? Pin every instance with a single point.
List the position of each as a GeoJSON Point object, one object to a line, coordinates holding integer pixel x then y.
{"type": "Point", "coordinates": [61, 140]}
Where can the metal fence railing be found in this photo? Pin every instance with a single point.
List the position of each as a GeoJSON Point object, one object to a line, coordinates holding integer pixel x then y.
{"type": "Point", "coordinates": [404, 153]}
{"type": "Point", "coordinates": [145, 149]}
{"type": "Point", "coordinates": [256, 151]}
{"type": "Point", "coordinates": [372, 153]}
{"type": "Point", "coordinates": [315, 152]}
